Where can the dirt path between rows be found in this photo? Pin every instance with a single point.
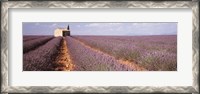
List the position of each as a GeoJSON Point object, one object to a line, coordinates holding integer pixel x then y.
{"type": "Point", "coordinates": [132, 65]}
{"type": "Point", "coordinates": [63, 61]}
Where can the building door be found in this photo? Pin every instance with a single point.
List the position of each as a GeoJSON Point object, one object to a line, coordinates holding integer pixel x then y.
{"type": "Point", "coordinates": [64, 33]}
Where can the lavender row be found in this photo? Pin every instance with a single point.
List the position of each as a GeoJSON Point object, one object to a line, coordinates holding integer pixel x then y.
{"type": "Point", "coordinates": [41, 59]}
{"type": "Point", "coordinates": [28, 38]}
{"type": "Point", "coordinates": [32, 44]}
{"type": "Point", "coordinates": [152, 52]}
{"type": "Point", "coordinates": [86, 59]}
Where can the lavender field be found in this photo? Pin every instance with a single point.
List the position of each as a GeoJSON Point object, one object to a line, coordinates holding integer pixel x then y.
{"type": "Point", "coordinates": [151, 52]}
{"type": "Point", "coordinates": [100, 53]}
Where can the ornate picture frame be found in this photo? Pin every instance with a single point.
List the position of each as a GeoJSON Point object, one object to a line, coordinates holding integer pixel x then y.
{"type": "Point", "coordinates": [5, 5]}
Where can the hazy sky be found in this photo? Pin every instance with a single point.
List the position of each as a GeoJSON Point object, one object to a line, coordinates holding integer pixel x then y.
{"type": "Point", "coordinates": [89, 28]}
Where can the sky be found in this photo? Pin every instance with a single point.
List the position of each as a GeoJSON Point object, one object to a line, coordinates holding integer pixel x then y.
{"type": "Point", "coordinates": [99, 28]}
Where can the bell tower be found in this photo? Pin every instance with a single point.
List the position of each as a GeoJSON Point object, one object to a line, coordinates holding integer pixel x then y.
{"type": "Point", "coordinates": [66, 32]}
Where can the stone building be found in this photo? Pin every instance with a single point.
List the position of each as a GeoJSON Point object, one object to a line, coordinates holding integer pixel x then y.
{"type": "Point", "coordinates": [62, 32]}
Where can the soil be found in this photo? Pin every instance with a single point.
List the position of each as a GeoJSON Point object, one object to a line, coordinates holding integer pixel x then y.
{"type": "Point", "coordinates": [63, 61]}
